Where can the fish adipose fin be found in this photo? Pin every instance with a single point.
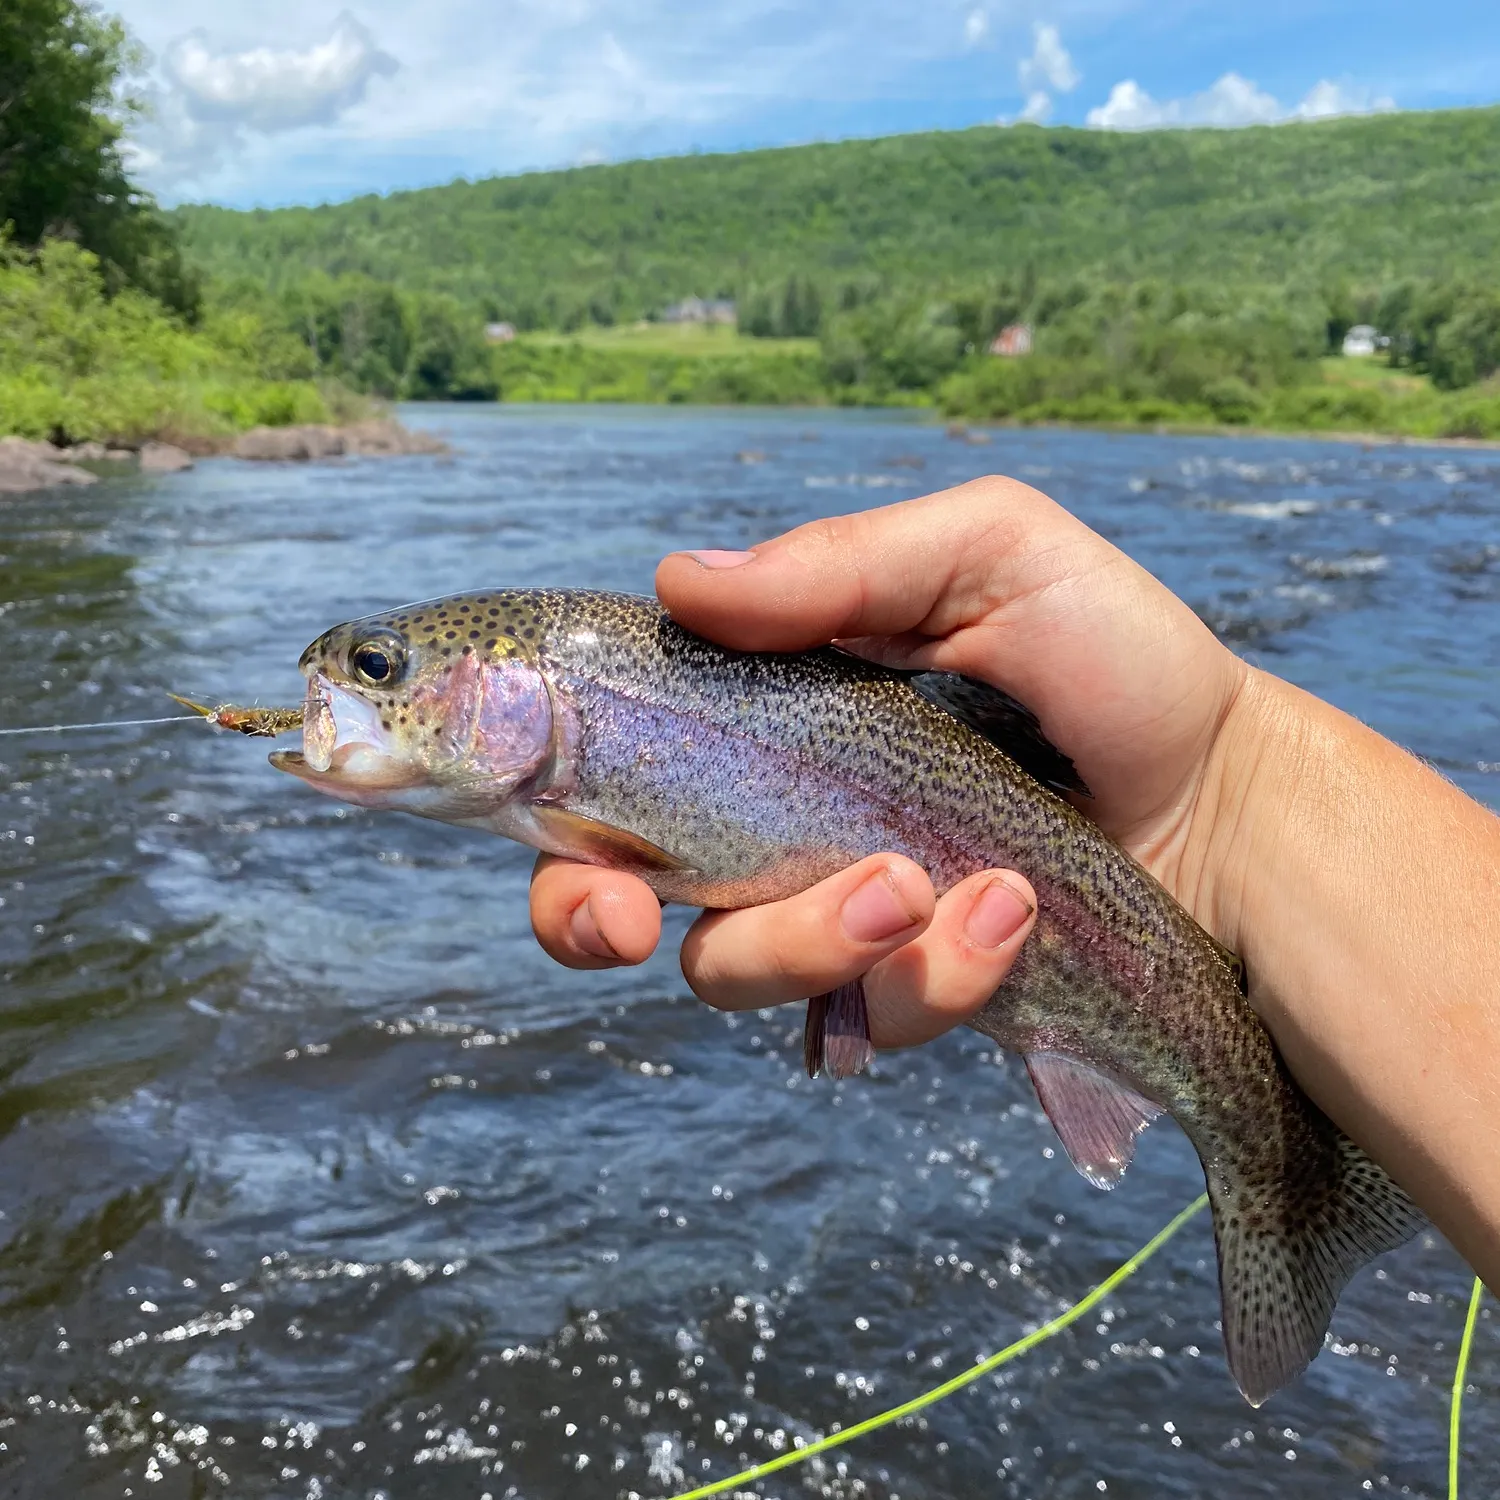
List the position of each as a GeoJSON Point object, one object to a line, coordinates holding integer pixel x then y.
{"type": "Point", "coordinates": [1282, 1264]}
{"type": "Point", "coordinates": [601, 844]}
{"type": "Point", "coordinates": [1096, 1119]}
{"type": "Point", "coordinates": [1008, 725]}
{"type": "Point", "coordinates": [836, 1039]}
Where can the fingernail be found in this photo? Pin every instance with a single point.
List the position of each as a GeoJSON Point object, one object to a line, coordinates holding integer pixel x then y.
{"type": "Point", "coordinates": [876, 910]}
{"type": "Point", "coordinates": [718, 559]}
{"type": "Point", "coordinates": [583, 928]}
{"type": "Point", "coordinates": [999, 912]}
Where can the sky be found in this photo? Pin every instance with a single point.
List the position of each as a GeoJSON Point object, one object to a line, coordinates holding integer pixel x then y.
{"type": "Point", "coordinates": [306, 101]}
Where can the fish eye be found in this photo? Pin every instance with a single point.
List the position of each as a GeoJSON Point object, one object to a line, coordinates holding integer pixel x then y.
{"type": "Point", "coordinates": [379, 660]}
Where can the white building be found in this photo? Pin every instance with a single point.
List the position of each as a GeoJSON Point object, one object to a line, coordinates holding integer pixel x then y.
{"type": "Point", "coordinates": [697, 310]}
{"type": "Point", "coordinates": [1362, 341]}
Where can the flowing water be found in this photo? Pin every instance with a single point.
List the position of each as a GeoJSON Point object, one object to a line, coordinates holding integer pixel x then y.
{"type": "Point", "coordinates": [318, 1179]}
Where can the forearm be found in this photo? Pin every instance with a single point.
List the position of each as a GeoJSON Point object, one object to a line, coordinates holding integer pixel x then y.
{"type": "Point", "coordinates": [1363, 891]}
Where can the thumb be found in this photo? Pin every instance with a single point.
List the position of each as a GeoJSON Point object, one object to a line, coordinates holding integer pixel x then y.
{"type": "Point", "coordinates": [924, 565]}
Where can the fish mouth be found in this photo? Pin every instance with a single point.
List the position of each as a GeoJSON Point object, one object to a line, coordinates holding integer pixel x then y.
{"type": "Point", "coordinates": [352, 768]}
{"type": "Point", "coordinates": [346, 751]}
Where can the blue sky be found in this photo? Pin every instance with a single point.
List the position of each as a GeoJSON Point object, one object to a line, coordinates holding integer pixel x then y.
{"type": "Point", "coordinates": [300, 101]}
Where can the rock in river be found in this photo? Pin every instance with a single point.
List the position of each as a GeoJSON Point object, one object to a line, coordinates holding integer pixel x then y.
{"type": "Point", "coordinates": [376, 438]}
{"type": "Point", "coordinates": [26, 465]}
{"type": "Point", "coordinates": [163, 458]}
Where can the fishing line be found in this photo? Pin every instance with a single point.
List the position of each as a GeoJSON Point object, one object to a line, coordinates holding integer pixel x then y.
{"type": "Point", "coordinates": [1460, 1371]}
{"type": "Point", "coordinates": [968, 1377]}
{"type": "Point", "coordinates": [111, 724]}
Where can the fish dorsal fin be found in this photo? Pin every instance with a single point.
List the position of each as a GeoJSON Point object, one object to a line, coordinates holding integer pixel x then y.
{"type": "Point", "coordinates": [1008, 725]}
{"type": "Point", "coordinates": [836, 1037]}
{"type": "Point", "coordinates": [601, 843]}
{"type": "Point", "coordinates": [1095, 1118]}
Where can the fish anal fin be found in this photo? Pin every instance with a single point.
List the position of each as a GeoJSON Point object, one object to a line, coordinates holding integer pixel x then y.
{"type": "Point", "coordinates": [1096, 1119]}
{"type": "Point", "coordinates": [1283, 1262]}
{"type": "Point", "coordinates": [1007, 724]}
{"type": "Point", "coordinates": [836, 1038]}
{"type": "Point", "coordinates": [598, 843]}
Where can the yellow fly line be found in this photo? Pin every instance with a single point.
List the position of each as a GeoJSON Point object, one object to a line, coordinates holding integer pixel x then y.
{"type": "Point", "coordinates": [805, 1451]}
{"type": "Point", "coordinates": [1460, 1374]}
{"type": "Point", "coordinates": [968, 1377]}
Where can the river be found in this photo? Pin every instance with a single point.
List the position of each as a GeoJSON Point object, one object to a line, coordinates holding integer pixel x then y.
{"type": "Point", "coordinates": [318, 1180]}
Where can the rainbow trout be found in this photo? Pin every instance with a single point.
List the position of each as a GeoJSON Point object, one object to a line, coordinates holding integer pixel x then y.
{"type": "Point", "coordinates": [589, 725]}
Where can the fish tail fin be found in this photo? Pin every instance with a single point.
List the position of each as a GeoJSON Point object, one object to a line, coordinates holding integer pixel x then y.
{"type": "Point", "coordinates": [1283, 1265]}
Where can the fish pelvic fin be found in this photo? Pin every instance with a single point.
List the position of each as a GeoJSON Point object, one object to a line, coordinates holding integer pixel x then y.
{"type": "Point", "coordinates": [1095, 1118]}
{"type": "Point", "coordinates": [1283, 1265]}
{"type": "Point", "coordinates": [836, 1037]}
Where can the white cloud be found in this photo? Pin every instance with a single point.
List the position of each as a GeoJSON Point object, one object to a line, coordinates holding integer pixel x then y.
{"type": "Point", "coordinates": [1038, 107]}
{"type": "Point", "coordinates": [976, 25]}
{"type": "Point", "coordinates": [1230, 102]}
{"type": "Point", "coordinates": [209, 101]}
{"type": "Point", "coordinates": [269, 89]}
{"type": "Point", "coordinates": [1325, 99]}
{"type": "Point", "coordinates": [1049, 62]}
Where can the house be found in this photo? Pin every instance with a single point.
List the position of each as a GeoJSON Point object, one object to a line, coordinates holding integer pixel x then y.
{"type": "Point", "coordinates": [697, 310]}
{"type": "Point", "coordinates": [499, 333]}
{"type": "Point", "coordinates": [1361, 341]}
{"type": "Point", "coordinates": [1012, 341]}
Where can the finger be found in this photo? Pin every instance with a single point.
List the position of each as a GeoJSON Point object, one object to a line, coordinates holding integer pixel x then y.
{"type": "Point", "coordinates": [810, 943]}
{"type": "Point", "coordinates": [940, 979]}
{"type": "Point", "coordinates": [589, 918]}
{"type": "Point", "coordinates": [923, 565]}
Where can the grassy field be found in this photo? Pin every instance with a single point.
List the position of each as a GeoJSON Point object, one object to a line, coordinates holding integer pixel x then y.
{"type": "Point", "coordinates": [676, 340]}
{"type": "Point", "coordinates": [658, 362]}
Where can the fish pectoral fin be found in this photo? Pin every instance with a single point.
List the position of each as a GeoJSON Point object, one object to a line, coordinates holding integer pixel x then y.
{"type": "Point", "coordinates": [1095, 1118]}
{"type": "Point", "coordinates": [836, 1037]}
{"type": "Point", "coordinates": [602, 843]}
{"type": "Point", "coordinates": [1008, 725]}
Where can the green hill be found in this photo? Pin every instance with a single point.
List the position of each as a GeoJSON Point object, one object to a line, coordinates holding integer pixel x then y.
{"type": "Point", "coordinates": [1197, 276]}
{"type": "Point", "coordinates": [1357, 201]}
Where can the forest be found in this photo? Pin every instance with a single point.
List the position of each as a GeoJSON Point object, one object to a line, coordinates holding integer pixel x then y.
{"type": "Point", "coordinates": [1197, 276]}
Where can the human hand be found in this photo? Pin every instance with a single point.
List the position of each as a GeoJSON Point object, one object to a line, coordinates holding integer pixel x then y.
{"type": "Point", "coordinates": [991, 579]}
{"type": "Point", "coordinates": [1362, 889]}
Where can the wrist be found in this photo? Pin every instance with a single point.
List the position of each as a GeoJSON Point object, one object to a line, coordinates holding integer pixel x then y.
{"type": "Point", "coordinates": [1260, 779]}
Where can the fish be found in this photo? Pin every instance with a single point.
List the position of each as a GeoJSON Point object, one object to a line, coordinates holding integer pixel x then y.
{"type": "Point", "coordinates": [590, 725]}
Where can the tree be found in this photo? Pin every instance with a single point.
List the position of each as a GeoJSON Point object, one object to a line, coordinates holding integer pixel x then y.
{"type": "Point", "coordinates": [62, 175]}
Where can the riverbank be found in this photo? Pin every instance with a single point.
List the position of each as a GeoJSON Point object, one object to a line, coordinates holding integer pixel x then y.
{"type": "Point", "coordinates": [78, 365]}
{"type": "Point", "coordinates": [1358, 399]}
{"type": "Point", "coordinates": [27, 465]}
